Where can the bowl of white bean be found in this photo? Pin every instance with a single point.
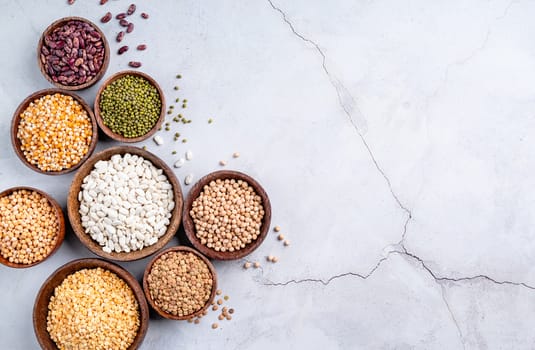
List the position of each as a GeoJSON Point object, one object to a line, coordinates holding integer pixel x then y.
{"type": "Point", "coordinates": [125, 203]}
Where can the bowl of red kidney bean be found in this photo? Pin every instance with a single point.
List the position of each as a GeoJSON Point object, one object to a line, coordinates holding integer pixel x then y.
{"type": "Point", "coordinates": [73, 53]}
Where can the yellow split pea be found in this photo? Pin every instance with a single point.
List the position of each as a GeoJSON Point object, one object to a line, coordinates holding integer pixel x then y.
{"type": "Point", "coordinates": [54, 132]}
{"type": "Point", "coordinates": [93, 309]}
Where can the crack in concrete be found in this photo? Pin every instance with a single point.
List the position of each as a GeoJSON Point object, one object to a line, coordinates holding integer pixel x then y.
{"type": "Point", "coordinates": [443, 293]}
{"type": "Point", "coordinates": [471, 55]}
{"type": "Point", "coordinates": [332, 278]}
{"type": "Point", "coordinates": [408, 254]}
{"type": "Point", "coordinates": [350, 108]}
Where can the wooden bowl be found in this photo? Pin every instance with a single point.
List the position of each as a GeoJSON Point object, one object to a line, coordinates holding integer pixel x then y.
{"type": "Point", "coordinates": [60, 22]}
{"type": "Point", "coordinates": [40, 308]}
{"type": "Point", "coordinates": [189, 226]}
{"type": "Point", "coordinates": [61, 226]}
{"type": "Point", "coordinates": [159, 310]}
{"type": "Point", "coordinates": [119, 137]}
{"type": "Point", "coordinates": [73, 205]}
{"type": "Point", "coordinates": [16, 121]}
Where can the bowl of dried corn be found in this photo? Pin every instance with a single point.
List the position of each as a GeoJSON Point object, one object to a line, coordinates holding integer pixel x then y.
{"type": "Point", "coordinates": [90, 304]}
{"type": "Point", "coordinates": [53, 131]}
{"type": "Point", "coordinates": [226, 215]}
{"type": "Point", "coordinates": [192, 295]}
{"type": "Point", "coordinates": [130, 106]}
{"type": "Point", "coordinates": [32, 226]}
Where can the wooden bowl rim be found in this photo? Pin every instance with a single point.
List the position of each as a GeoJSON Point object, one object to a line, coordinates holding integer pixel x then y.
{"type": "Point", "coordinates": [73, 204]}
{"type": "Point", "coordinates": [119, 137]}
{"type": "Point", "coordinates": [57, 277]}
{"type": "Point", "coordinates": [159, 310]}
{"type": "Point", "coordinates": [105, 62]}
{"type": "Point", "coordinates": [16, 121]}
{"type": "Point", "coordinates": [61, 225]}
{"type": "Point", "coordinates": [189, 226]}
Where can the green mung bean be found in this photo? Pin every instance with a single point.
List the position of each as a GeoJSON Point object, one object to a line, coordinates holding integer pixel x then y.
{"type": "Point", "coordinates": [130, 106]}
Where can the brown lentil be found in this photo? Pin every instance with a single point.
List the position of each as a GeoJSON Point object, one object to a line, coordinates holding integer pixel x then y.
{"type": "Point", "coordinates": [256, 264]}
{"type": "Point", "coordinates": [221, 317]}
{"type": "Point", "coordinates": [215, 307]}
{"type": "Point", "coordinates": [218, 292]}
{"type": "Point", "coordinates": [227, 215]}
{"type": "Point", "coordinates": [180, 283]}
{"type": "Point", "coordinates": [28, 227]}
{"type": "Point", "coordinates": [93, 309]}
{"type": "Point", "coordinates": [276, 229]}
{"type": "Point", "coordinates": [231, 311]}
{"type": "Point", "coordinates": [214, 325]}
{"type": "Point", "coordinates": [280, 237]}
{"type": "Point", "coordinates": [54, 132]}
{"type": "Point", "coordinates": [286, 243]}
{"type": "Point", "coordinates": [247, 265]}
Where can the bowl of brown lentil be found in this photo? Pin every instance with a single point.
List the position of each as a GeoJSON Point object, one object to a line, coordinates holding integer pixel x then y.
{"type": "Point", "coordinates": [32, 227]}
{"type": "Point", "coordinates": [90, 304]}
{"type": "Point", "coordinates": [130, 106]}
{"type": "Point", "coordinates": [53, 131]}
{"type": "Point", "coordinates": [125, 203]}
{"type": "Point", "coordinates": [73, 53]}
{"type": "Point", "coordinates": [188, 298]}
{"type": "Point", "coordinates": [226, 215]}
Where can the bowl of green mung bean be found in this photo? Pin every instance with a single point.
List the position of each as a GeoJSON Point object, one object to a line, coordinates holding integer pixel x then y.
{"type": "Point", "coordinates": [130, 106]}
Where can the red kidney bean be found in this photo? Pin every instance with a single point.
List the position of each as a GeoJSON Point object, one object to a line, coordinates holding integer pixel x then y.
{"type": "Point", "coordinates": [122, 50]}
{"type": "Point", "coordinates": [134, 64]}
{"type": "Point", "coordinates": [72, 54]}
{"type": "Point", "coordinates": [144, 15]}
{"type": "Point", "coordinates": [106, 18]}
{"type": "Point", "coordinates": [120, 15]}
{"type": "Point", "coordinates": [141, 47]}
{"type": "Point", "coordinates": [102, 2]}
{"type": "Point", "coordinates": [120, 37]}
{"type": "Point", "coordinates": [124, 23]}
{"type": "Point", "coordinates": [131, 9]}
{"type": "Point", "coordinates": [130, 28]}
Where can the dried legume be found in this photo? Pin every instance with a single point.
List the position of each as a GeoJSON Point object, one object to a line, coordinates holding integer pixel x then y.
{"type": "Point", "coordinates": [130, 106]}
{"type": "Point", "coordinates": [180, 283]}
{"type": "Point", "coordinates": [93, 309]}
{"type": "Point", "coordinates": [28, 227]}
{"type": "Point", "coordinates": [73, 53]}
{"type": "Point", "coordinates": [55, 132]}
{"type": "Point", "coordinates": [126, 203]}
{"type": "Point", "coordinates": [227, 215]}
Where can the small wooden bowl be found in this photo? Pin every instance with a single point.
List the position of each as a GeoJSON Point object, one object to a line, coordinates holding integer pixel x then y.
{"type": "Point", "coordinates": [40, 308]}
{"type": "Point", "coordinates": [119, 137]}
{"type": "Point", "coordinates": [189, 226]}
{"type": "Point", "coordinates": [159, 310]}
{"type": "Point", "coordinates": [61, 226]}
{"type": "Point", "coordinates": [73, 205]}
{"type": "Point", "coordinates": [60, 22]}
{"type": "Point", "coordinates": [16, 121]}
